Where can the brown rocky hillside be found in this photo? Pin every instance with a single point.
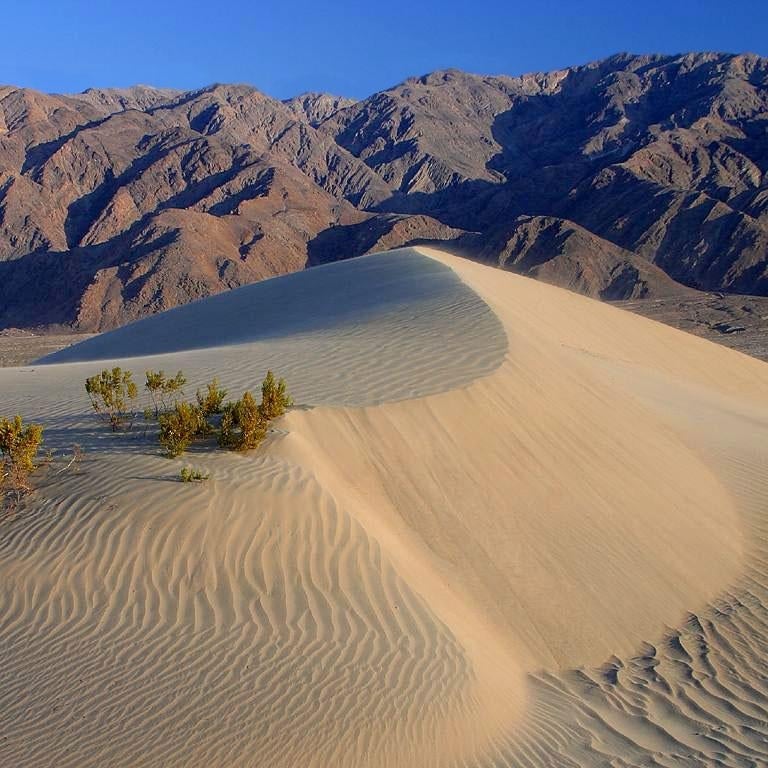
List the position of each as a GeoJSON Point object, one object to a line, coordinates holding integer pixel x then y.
{"type": "Point", "coordinates": [636, 177]}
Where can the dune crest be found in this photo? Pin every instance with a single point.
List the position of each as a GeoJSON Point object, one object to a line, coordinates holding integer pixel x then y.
{"type": "Point", "coordinates": [475, 547]}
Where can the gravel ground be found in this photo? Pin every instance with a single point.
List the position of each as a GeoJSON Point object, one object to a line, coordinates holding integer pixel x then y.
{"type": "Point", "coordinates": [22, 347]}
{"type": "Point", "coordinates": [738, 322]}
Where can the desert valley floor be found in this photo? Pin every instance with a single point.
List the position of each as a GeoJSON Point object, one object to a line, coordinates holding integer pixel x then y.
{"type": "Point", "coordinates": [504, 525]}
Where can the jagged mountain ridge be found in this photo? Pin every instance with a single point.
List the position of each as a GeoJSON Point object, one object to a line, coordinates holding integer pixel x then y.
{"type": "Point", "coordinates": [608, 178]}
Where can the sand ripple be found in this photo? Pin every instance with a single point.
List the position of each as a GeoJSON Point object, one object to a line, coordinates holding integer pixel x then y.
{"type": "Point", "coordinates": [155, 631]}
{"type": "Point", "coordinates": [506, 526]}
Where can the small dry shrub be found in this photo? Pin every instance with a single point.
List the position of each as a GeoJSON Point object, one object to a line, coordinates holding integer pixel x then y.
{"type": "Point", "coordinates": [112, 394]}
{"type": "Point", "coordinates": [73, 461]}
{"type": "Point", "coordinates": [212, 399]}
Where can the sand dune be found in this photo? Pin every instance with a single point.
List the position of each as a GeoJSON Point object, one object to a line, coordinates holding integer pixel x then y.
{"type": "Point", "coordinates": [505, 525]}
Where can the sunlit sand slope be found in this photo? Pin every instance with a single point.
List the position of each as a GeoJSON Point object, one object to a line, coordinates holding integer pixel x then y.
{"type": "Point", "coordinates": [505, 525]}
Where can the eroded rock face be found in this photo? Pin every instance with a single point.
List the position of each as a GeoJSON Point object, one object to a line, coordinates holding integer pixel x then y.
{"type": "Point", "coordinates": [565, 254]}
{"type": "Point", "coordinates": [609, 178]}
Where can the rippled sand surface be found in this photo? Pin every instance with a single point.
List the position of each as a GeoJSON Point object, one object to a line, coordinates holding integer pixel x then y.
{"type": "Point", "coordinates": [506, 525]}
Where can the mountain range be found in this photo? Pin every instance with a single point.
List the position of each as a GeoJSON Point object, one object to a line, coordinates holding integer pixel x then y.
{"type": "Point", "coordinates": [629, 178]}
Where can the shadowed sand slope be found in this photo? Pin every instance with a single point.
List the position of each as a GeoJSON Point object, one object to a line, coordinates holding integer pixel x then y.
{"type": "Point", "coordinates": [516, 527]}
{"type": "Point", "coordinates": [376, 328]}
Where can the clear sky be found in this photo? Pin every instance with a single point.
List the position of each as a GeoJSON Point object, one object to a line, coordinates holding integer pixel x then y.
{"type": "Point", "coordinates": [349, 48]}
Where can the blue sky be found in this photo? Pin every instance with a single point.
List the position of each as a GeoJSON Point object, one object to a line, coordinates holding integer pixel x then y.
{"type": "Point", "coordinates": [348, 48]}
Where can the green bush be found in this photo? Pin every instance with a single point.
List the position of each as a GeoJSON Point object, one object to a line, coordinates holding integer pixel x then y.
{"type": "Point", "coordinates": [275, 399]}
{"type": "Point", "coordinates": [19, 445]}
{"type": "Point", "coordinates": [212, 399]}
{"type": "Point", "coordinates": [189, 475]}
{"type": "Point", "coordinates": [179, 427]}
{"type": "Point", "coordinates": [243, 426]}
{"type": "Point", "coordinates": [112, 394]}
{"type": "Point", "coordinates": [244, 423]}
{"type": "Point", "coordinates": [163, 392]}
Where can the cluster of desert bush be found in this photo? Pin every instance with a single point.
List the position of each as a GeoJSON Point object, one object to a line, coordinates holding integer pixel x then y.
{"type": "Point", "coordinates": [113, 395]}
{"type": "Point", "coordinates": [238, 425]}
{"type": "Point", "coordinates": [20, 445]}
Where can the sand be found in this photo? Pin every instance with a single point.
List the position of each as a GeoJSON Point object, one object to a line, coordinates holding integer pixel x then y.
{"type": "Point", "coordinates": [505, 525]}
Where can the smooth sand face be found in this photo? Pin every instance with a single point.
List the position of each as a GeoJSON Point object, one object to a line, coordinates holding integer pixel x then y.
{"type": "Point", "coordinates": [498, 483]}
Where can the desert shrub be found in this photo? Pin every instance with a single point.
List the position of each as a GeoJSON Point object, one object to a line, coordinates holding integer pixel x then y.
{"type": "Point", "coordinates": [190, 475]}
{"type": "Point", "coordinates": [274, 397]}
{"type": "Point", "coordinates": [212, 399]}
{"type": "Point", "coordinates": [228, 427]}
{"type": "Point", "coordinates": [19, 445]}
{"type": "Point", "coordinates": [243, 426]}
{"type": "Point", "coordinates": [163, 391]}
{"type": "Point", "coordinates": [179, 427]}
{"type": "Point", "coordinates": [112, 394]}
